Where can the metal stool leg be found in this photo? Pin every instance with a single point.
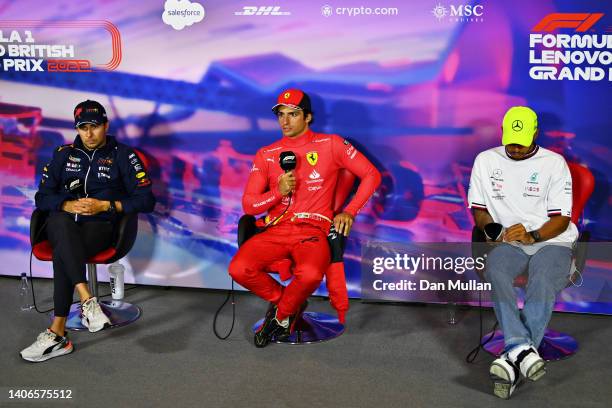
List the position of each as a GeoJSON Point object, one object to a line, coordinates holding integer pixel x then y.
{"type": "Point", "coordinates": [120, 313]}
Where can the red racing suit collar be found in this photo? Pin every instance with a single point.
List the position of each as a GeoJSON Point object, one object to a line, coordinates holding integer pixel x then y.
{"type": "Point", "coordinates": [299, 140]}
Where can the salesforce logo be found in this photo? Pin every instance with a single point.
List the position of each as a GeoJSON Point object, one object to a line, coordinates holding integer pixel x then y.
{"type": "Point", "coordinates": [182, 13]}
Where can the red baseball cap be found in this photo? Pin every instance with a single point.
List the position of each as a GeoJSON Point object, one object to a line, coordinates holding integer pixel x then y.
{"type": "Point", "coordinates": [293, 98]}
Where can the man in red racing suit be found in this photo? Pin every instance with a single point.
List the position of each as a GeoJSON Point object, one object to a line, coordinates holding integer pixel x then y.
{"type": "Point", "coordinates": [299, 206]}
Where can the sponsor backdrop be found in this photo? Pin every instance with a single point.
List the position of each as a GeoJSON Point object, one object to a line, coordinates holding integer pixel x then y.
{"type": "Point", "coordinates": [420, 87]}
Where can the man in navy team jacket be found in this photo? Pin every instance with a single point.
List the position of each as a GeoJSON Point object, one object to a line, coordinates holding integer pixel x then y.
{"type": "Point", "coordinates": [85, 188]}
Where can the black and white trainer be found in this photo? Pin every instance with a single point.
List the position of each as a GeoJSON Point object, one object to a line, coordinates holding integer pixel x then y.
{"type": "Point", "coordinates": [290, 323]}
{"type": "Point", "coordinates": [505, 376]}
{"type": "Point", "coordinates": [269, 329]}
{"type": "Point", "coordinates": [46, 346]}
{"type": "Point", "coordinates": [92, 315]}
{"type": "Point", "coordinates": [527, 359]}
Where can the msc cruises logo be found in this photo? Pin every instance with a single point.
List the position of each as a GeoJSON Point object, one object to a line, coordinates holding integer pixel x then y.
{"type": "Point", "coordinates": [469, 13]}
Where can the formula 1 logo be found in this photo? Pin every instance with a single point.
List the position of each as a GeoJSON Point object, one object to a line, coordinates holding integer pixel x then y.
{"type": "Point", "coordinates": [581, 22]}
{"type": "Point", "coordinates": [262, 11]}
{"type": "Point", "coordinates": [581, 55]}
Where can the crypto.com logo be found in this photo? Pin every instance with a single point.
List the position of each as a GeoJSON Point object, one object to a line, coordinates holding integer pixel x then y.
{"type": "Point", "coordinates": [327, 10]}
{"type": "Point", "coordinates": [262, 11]}
{"type": "Point", "coordinates": [580, 21]}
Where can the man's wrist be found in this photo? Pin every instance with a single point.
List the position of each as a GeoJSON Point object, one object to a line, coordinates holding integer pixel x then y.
{"type": "Point", "coordinates": [535, 234]}
{"type": "Point", "coordinates": [280, 192]}
{"type": "Point", "coordinates": [64, 205]}
{"type": "Point", "coordinates": [111, 208]}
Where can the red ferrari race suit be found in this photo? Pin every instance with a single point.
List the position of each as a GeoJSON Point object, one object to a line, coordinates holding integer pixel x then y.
{"type": "Point", "coordinates": [297, 225]}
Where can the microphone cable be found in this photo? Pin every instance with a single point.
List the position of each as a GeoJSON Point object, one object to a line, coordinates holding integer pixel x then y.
{"type": "Point", "coordinates": [230, 293]}
{"type": "Point", "coordinates": [273, 222]}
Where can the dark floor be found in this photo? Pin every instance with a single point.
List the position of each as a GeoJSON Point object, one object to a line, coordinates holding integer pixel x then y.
{"type": "Point", "coordinates": [390, 356]}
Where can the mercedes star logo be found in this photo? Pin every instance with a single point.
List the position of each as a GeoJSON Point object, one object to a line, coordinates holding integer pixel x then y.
{"type": "Point", "coordinates": [517, 125]}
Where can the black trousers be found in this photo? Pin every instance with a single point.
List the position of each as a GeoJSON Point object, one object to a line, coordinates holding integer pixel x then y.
{"type": "Point", "coordinates": [72, 243]}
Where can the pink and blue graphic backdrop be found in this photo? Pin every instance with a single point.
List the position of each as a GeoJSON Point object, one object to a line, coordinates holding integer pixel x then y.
{"type": "Point", "coordinates": [420, 87]}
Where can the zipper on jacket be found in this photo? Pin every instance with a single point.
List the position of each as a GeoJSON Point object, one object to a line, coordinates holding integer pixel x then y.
{"type": "Point", "coordinates": [86, 174]}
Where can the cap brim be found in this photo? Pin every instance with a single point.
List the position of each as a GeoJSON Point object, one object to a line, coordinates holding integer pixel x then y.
{"type": "Point", "coordinates": [90, 121]}
{"type": "Point", "coordinates": [521, 139]}
{"type": "Point", "coordinates": [286, 104]}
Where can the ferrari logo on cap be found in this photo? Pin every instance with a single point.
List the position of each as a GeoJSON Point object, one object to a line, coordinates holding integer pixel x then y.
{"type": "Point", "coordinates": [517, 125]}
{"type": "Point", "coordinates": [312, 157]}
{"type": "Point", "coordinates": [287, 95]}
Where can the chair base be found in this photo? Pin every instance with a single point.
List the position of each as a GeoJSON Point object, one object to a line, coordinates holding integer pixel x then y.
{"type": "Point", "coordinates": [554, 346]}
{"type": "Point", "coordinates": [313, 328]}
{"type": "Point", "coordinates": [120, 314]}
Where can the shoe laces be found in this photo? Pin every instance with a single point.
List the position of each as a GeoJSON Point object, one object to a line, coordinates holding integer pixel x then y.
{"type": "Point", "coordinates": [284, 323]}
{"type": "Point", "coordinates": [88, 306]}
{"type": "Point", "coordinates": [44, 337]}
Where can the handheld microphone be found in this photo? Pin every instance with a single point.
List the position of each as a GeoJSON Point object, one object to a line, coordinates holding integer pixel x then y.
{"type": "Point", "coordinates": [287, 161]}
{"type": "Point", "coordinates": [75, 186]}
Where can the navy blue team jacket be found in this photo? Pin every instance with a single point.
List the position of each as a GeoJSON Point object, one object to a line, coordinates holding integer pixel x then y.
{"type": "Point", "coordinates": [112, 172]}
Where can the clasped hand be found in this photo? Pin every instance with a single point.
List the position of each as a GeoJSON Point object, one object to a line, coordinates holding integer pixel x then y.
{"type": "Point", "coordinates": [517, 232]}
{"type": "Point", "coordinates": [85, 206]}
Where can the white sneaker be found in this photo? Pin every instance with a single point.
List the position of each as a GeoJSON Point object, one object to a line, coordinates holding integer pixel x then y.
{"type": "Point", "coordinates": [46, 346]}
{"type": "Point", "coordinates": [505, 376]}
{"type": "Point", "coordinates": [527, 359]}
{"type": "Point", "coordinates": [92, 315]}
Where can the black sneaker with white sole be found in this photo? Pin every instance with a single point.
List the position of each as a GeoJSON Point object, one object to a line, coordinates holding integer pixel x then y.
{"type": "Point", "coordinates": [269, 329]}
{"type": "Point", "coordinates": [291, 322]}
